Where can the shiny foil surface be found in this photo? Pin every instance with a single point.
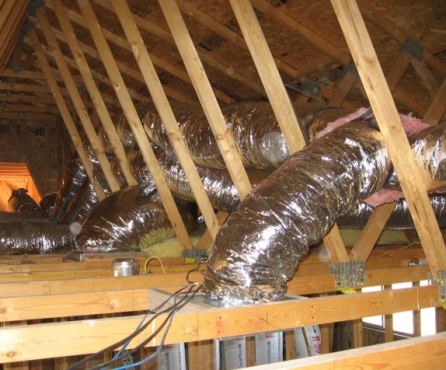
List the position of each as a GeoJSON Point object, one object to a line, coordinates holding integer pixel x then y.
{"type": "Point", "coordinates": [258, 248]}
{"type": "Point", "coordinates": [128, 220]}
{"type": "Point", "coordinates": [35, 237]}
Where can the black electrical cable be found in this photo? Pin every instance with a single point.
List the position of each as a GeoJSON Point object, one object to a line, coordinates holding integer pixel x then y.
{"type": "Point", "coordinates": [154, 334]}
{"type": "Point", "coordinates": [141, 328]}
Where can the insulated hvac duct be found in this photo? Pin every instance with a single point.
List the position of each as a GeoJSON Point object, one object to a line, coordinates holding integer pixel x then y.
{"type": "Point", "coordinates": [71, 183]}
{"type": "Point", "coordinates": [34, 237]}
{"type": "Point", "coordinates": [400, 219]}
{"type": "Point", "coordinates": [21, 202]}
{"type": "Point", "coordinates": [131, 219]}
{"type": "Point", "coordinates": [258, 248]}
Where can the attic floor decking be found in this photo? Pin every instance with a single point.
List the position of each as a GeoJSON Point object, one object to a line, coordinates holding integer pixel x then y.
{"type": "Point", "coordinates": [82, 307]}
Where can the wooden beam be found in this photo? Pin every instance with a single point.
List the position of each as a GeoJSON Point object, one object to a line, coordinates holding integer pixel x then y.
{"type": "Point", "coordinates": [371, 232]}
{"type": "Point", "coordinates": [93, 91]}
{"type": "Point", "coordinates": [346, 84]}
{"type": "Point", "coordinates": [206, 56]}
{"type": "Point", "coordinates": [195, 322]}
{"type": "Point", "coordinates": [81, 111]}
{"type": "Point", "coordinates": [414, 353]}
{"type": "Point", "coordinates": [28, 116]}
{"type": "Point", "coordinates": [63, 109]}
{"type": "Point", "coordinates": [271, 79]}
{"type": "Point", "coordinates": [12, 16]}
{"type": "Point", "coordinates": [438, 106]}
{"type": "Point", "coordinates": [399, 67]}
{"type": "Point", "coordinates": [135, 123]}
{"type": "Point", "coordinates": [426, 76]}
{"type": "Point", "coordinates": [312, 37]}
{"type": "Point", "coordinates": [165, 111]}
{"type": "Point", "coordinates": [29, 108]}
{"type": "Point", "coordinates": [393, 133]}
{"type": "Point", "coordinates": [27, 98]}
{"type": "Point", "coordinates": [207, 98]}
{"type": "Point", "coordinates": [398, 34]}
{"type": "Point", "coordinates": [168, 67]}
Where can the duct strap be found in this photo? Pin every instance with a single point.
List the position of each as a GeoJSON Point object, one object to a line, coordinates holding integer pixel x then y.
{"type": "Point", "coordinates": [441, 282]}
{"type": "Point", "coordinates": [348, 274]}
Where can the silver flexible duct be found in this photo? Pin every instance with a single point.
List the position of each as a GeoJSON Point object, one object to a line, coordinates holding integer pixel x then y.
{"type": "Point", "coordinates": [131, 219]}
{"type": "Point", "coordinates": [258, 248]}
{"type": "Point", "coordinates": [20, 237]}
{"type": "Point", "coordinates": [400, 219]}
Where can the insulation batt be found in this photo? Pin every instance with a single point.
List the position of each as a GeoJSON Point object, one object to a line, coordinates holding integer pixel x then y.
{"type": "Point", "coordinates": [257, 250]}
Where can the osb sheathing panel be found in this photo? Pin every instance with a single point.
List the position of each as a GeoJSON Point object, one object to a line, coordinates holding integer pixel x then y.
{"type": "Point", "coordinates": [423, 21]}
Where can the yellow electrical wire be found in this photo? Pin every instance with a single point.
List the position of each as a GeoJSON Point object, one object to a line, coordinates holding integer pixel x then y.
{"type": "Point", "coordinates": [153, 258]}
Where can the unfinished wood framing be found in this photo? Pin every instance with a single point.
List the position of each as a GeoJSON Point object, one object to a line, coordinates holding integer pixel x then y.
{"type": "Point", "coordinates": [209, 56]}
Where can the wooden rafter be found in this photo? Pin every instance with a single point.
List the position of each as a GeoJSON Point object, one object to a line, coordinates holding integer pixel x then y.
{"type": "Point", "coordinates": [135, 123]}
{"type": "Point", "coordinates": [160, 99]}
{"type": "Point", "coordinates": [96, 145]}
{"type": "Point", "coordinates": [378, 92]}
{"type": "Point", "coordinates": [63, 109]}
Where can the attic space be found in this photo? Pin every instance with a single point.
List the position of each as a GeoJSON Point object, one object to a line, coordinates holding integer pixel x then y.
{"type": "Point", "coordinates": [221, 184]}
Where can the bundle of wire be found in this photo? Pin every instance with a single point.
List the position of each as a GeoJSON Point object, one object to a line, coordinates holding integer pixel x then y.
{"type": "Point", "coordinates": [180, 298]}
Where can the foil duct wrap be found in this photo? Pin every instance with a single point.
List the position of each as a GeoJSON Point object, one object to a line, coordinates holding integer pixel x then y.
{"type": "Point", "coordinates": [21, 202]}
{"type": "Point", "coordinates": [400, 219]}
{"type": "Point", "coordinates": [47, 204]}
{"type": "Point", "coordinates": [253, 126]}
{"type": "Point", "coordinates": [35, 237]}
{"type": "Point", "coordinates": [257, 250]}
{"type": "Point", "coordinates": [6, 217]}
{"type": "Point", "coordinates": [71, 183]}
{"type": "Point", "coordinates": [81, 205]}
{"type": "Point", "coordinates": [101, 181]}
{"type": "Point", "coordinates": [129, 220]}
{"type": "Point", "coordinates": [429, 147]}
{"type": "Point", "coordinates": [217, 183]}
{"type": "Point", "coordinates": [123, 130]}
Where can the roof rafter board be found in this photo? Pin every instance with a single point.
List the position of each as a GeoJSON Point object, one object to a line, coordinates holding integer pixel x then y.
{"type": "Point", "coordinates": [132, 70]}
{"type": "Point", "coordinates": [387, 116]}
{"type": "Point", "coordinates": [82, 113]}
{"type": "Point", "coordinates": [132, 74]}
{"type": "Point", "coordinates": [11, 21]}
{"type": "Point", "coordinates": [208, 58]}
{"type": "Point", "coordinates": [135, 123]}
{"type": "Point", "coordinates": [66, 115]}
{"type": "Point", "coordinates": [166, 113]}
